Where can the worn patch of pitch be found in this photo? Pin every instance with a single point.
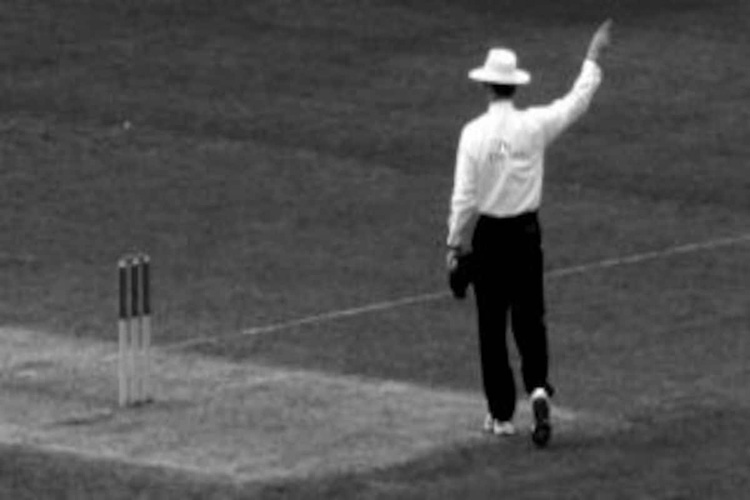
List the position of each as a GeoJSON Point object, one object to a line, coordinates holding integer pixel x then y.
{"type": "Point", "coordinates": [240, 420]}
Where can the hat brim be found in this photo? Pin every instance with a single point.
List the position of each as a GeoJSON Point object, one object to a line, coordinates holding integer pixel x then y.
{"type": "Point", "coordinates": [483, 75]}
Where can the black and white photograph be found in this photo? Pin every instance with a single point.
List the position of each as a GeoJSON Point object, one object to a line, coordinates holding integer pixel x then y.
{"type": "Point", "coordinates": [374, 249]}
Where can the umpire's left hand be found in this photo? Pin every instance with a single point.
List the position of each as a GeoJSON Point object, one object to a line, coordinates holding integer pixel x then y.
{"type": "Point", "coordinates": [458, 263]}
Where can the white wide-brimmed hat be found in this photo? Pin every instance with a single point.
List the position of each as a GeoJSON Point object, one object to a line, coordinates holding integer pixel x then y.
{"type": "Point", "coordinates": [500, 67]}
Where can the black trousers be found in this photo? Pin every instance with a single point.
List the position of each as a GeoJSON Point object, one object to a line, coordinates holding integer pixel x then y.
{"type": "Point", "coordinates": [509, 282]}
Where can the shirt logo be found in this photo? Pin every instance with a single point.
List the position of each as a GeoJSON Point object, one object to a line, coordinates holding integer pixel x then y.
{"type": "Point", "coordinates": [500, 150]}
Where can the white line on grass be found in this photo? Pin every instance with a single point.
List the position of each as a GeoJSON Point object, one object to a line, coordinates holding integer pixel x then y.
{"type": "Point", "coordinates": [645, 256]}
{"type": "Point", "coordinates": [429, 297]}
{"type": "Point", "coordinates": [310, 320]}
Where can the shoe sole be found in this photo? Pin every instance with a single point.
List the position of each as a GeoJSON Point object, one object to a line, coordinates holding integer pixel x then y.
{"type": "Point", "coordinates": [542, 431]}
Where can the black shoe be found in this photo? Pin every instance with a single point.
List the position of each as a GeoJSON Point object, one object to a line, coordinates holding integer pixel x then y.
{"type": "Point", "coordinates": [542, 431]}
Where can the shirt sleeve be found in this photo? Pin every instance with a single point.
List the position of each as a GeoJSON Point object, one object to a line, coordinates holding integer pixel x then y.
{"type": "Point", "coordinates": [464, 198]}
{"type": "Point", "coordinates": [563, 112]}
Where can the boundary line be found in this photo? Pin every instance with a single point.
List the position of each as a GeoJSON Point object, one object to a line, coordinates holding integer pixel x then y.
{"type": "Point", "coordinates": [429, 297]}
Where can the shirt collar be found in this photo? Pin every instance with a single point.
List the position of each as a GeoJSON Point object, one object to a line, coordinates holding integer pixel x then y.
{"type": "Point", "coordinates": [500, 105]}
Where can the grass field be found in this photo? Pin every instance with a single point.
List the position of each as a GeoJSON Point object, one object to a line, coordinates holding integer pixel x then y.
{"type": "Point", "coordinates": [285, 159]}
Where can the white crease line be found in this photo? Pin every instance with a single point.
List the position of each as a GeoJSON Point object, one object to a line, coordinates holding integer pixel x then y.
{"type": "Point", "coordinates": [318, 318]}
{"type": "Point", "coordinates": [429, 297]}
{"type": "Point", "coordinates": [18, 438]}
{"type": "Point", "coordinates": [641, 257]}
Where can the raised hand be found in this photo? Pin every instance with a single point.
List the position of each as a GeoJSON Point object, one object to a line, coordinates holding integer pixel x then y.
{"type": "Point", "coordinates": [601, 39]}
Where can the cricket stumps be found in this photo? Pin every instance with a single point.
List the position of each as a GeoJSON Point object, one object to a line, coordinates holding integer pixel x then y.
{"type": "Point", "coordinates": [134, 329]}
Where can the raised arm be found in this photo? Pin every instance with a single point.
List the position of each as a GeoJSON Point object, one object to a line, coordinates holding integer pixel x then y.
{"type": "Point", "coordinates": [563, 112]}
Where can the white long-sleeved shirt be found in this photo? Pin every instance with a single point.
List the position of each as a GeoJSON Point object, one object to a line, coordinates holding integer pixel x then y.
{"type": "Point", "coordinates": [500, 158]}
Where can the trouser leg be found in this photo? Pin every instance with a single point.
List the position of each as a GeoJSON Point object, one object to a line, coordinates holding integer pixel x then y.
{"type": "Point", "coordinates": [497, 375]}
{"type": "Point", "coordinates": [492, 301]}
{"type": "Point", "coordinates": [528, 313]}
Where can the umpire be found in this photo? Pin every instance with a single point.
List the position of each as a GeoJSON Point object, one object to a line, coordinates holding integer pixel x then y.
{"type": "Point", "coordinates": [494, 233]}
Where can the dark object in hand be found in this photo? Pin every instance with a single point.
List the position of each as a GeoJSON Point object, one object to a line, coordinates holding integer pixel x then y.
{"type": "Point", "coordinates": [461, 274]}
